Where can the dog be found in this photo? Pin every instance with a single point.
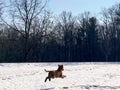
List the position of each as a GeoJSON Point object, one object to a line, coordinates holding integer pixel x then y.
{"type": "Point", "coordinates": [55, 73]}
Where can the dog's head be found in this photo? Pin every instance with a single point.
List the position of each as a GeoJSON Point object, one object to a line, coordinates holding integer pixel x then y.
{"type": "Point", "coordinates": [60, 67]}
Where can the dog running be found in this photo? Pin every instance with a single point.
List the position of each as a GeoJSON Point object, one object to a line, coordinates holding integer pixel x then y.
{"type": "Point", "coordinates": [55, 73]}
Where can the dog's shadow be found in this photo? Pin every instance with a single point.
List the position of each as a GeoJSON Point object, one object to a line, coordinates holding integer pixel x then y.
{"type": "Point", "coordinates": [53, 88]}
{"type": "Point", "coordinates": [48, 88]}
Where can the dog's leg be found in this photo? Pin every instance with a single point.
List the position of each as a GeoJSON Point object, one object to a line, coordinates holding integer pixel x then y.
{"type": "Point", "coordinates": [46, 79]}
{"type": "Point", "coordinates": [49, 79]}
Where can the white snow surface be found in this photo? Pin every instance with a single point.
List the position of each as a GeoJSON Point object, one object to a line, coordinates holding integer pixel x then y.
{"type": "Point", "coordinates": [79, 76]}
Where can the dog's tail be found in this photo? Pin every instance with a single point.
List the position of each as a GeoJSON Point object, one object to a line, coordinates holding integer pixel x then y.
{"type": "Point", "coordinates": [46, 70]}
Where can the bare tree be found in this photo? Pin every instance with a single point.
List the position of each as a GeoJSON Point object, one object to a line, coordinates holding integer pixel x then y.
{"type": "Point", "coordinates": [106, 47]}
{"type": "Point", "coordinates": [67, 22]}
{"type": "Point", "coordinates": [23, 13]}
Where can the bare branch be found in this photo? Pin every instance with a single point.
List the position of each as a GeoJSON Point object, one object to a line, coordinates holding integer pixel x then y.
{"type": "Point", "coordinates": [14, 28]}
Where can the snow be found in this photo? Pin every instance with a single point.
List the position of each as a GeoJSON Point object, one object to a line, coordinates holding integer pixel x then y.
{"type": "Point", "coordinates": [80, 76]}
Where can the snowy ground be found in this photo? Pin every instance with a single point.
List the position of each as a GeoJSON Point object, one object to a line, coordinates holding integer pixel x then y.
{"type": "Point", "coordinates": [80, 76]}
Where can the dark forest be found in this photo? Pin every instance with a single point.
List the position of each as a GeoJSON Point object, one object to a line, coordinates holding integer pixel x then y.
{"type": "Point", "coordinates": [34, 34]}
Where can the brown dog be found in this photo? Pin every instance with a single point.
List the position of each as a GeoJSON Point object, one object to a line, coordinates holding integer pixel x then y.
{"type": "Point", "coordinates": [55, 73]}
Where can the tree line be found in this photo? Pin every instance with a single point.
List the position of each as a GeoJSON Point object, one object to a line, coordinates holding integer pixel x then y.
{"type": "Point", "coordinates": [30, 33]}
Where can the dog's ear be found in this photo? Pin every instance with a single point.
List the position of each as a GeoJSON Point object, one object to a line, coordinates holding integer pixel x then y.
{"type": "Point", "coordinates": [60, 64]}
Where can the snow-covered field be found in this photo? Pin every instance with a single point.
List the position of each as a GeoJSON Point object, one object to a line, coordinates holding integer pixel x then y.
{"type": "Point", "coordinates": [80, 76]}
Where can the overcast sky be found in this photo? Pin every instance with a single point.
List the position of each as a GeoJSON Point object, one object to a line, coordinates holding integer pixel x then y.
{"type": "Point", "coordinates": [80, 6]}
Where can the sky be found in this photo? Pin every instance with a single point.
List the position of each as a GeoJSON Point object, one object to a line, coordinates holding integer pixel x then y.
{"type": "Point", "coordinates": [80, 6]}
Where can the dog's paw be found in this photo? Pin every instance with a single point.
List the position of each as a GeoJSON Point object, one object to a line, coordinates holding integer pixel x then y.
{"type": "Point", "coordinates": [63, 76]}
